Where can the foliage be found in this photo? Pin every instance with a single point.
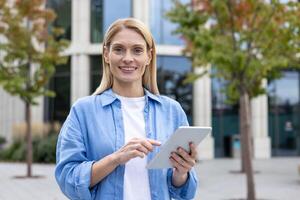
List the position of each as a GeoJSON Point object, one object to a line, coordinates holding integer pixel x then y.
{"type": "Point", "coordinates": [43, 150]}
{"type": "Point", "coordinates": [2, 141]}
{"type": "Point", "coordinates": [245, 40]}
{"type": "Point", "coordinates": [29, 51]}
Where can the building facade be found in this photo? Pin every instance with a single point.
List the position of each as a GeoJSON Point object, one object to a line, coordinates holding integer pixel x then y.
{"type": "Point", "coordinates": [275, 116]}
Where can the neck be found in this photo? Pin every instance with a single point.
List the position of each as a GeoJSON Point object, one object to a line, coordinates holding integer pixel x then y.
{"type": "Point", "coordinates": [128, 90]}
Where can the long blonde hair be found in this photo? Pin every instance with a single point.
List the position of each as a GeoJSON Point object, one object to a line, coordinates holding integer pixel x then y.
{"type": "Point", "coordinates": [149, 78]}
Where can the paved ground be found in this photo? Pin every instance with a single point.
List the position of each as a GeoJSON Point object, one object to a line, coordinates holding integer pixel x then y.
{"type": "Point", "coordinates": [278, 179]}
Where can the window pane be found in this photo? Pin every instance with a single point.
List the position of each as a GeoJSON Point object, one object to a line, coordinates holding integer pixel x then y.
{"type": "Point", "coordinates": [225, 119]}
{"type": "Point", "coordinates": [161, 27]}
{"type": "Point", "coordinates": [104, 12]}
{"type": "Point", "coordinates": [171, 72]}
{"type": "Point", "coordinates": [96, 72]}
{"type": "Point", "coordinates": [63, 10]}
{"type": "Point", "coordinates": [57, 108]}
{"type": "Point", "coordinates": [96, 21]}
{"type": "Point", "coordinates": [284, 114]}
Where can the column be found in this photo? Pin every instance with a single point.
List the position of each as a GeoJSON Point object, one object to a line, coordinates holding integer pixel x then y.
{"type": "Point", "coordinates": [261, 140]}
{"type": "Point", "coordinates": [80, 70]}
{"type": "Point", "coordinates": [141, 10]}
{"type": "Point", "coordinates": [12, 111]}
{"type": "Point", "coordinates": [80, 77]}
{"type": "Point", "coordinates": [202, 112]}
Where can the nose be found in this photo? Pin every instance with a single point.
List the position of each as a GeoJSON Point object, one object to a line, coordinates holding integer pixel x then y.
{"type": "Point", "coordinates": [128, 57]}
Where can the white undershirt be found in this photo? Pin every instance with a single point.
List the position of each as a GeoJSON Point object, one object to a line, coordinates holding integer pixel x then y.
{"type": "Point", "coordinates": [136, 180]}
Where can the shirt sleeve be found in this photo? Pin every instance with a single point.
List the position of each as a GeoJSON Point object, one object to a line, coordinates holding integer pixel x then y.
{"type": "Point", "coordinates": [187, 190]}
{"type": "Point", "coordinates": [73, 169]}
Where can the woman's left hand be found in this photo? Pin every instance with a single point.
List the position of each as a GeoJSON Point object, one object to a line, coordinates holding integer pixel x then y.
{"type": "Point", "coordinates": [183, 162]}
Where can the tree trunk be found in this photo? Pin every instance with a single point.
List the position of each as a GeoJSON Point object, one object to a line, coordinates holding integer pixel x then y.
{"type": "Point", "coordinates": [28, 139]}
{"type": "Point", "coordinates": [243, 150]}
{"type": "Point", "coordinates": [245, 127]}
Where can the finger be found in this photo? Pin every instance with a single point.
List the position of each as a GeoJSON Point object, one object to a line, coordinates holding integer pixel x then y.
{"type": "Point", "coordinates": [143, 149]}
{"type": "Point", "coordinates": [193, 149]}
{"type": "Point", "coordinates": [186, 156]}
{"type": "Point", "coordinates": [136, 153]}
{"type": "Point", "coordinates": [139, 147]}
{"type": "Point", "coordinates": [177, 165]}
{"type": "Point", "coordinates": [154, 142]}
{"type": "Point", "coordinates": [146, 144]}
{"type": "Point", "coordinates": [181, 161]}
{"type": "Point", "coordinates": [149, 143]}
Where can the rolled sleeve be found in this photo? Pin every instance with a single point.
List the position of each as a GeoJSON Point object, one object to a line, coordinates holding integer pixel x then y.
{"type": "Point", "coordinates": [187, 190]}
{"type": "Point", "coordinates": [73, 169]}
{"type": "Point", "coordinates": [83, 179]}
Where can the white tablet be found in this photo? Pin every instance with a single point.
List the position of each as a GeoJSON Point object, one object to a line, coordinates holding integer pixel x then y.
{"type": "Point", "coordinates": [181, 138]}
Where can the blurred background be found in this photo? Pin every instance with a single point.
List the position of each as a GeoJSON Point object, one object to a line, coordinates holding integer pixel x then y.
{"type": "Point", "coordinates": [85, 23]}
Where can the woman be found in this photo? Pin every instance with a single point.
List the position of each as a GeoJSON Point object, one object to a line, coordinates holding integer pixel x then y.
{"type": "Point", "coordinates": [108, 138]}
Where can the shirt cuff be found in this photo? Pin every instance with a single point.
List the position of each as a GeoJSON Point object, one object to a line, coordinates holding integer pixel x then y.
{"type": "Point", "coordinates": [187, 190]}
{"type": "Point", "coordinates": [83, 180]}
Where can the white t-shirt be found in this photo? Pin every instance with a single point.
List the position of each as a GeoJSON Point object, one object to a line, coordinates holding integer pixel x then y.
{"type": "Point", "coordinates": [136, 180]}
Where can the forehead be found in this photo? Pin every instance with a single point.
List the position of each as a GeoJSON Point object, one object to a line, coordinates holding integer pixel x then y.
{"type": "Point", "coordinates": [128, 37]}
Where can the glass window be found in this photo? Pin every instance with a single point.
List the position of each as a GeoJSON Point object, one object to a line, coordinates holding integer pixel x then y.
{"type": "Point", "coordinates": [57, 108]}
{"type": "Point", "coordinates": [104, 12]}
{"type": "Point", "coordinates": [171, 71]}
{"type": "Point", "coordinates": [284, 114]}
{"type": "Point", "coordinates": [96, 21]}
{"type": "Point", "coordinates": [225, 120]}
{"type": "Point", "coordinates": [96, 72]}
{"type": "Point", "coordinates": [63, 10]}
{"type": "Point", "coordinates": [161, 27]}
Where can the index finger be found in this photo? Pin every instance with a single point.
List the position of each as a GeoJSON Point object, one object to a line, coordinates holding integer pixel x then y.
{"type": "Point", "coordinates": [154, 142]}
{"type": "Point", "coordinates": [149, 143]}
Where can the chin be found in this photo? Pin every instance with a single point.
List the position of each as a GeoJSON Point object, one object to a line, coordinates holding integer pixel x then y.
{"type": "Point", "coordinates": [130, 79]}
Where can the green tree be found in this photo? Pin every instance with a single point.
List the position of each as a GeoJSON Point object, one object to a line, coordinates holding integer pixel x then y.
{"type": "Point", "coordinates": [29, 52]}
{"type": "Point", "coordinates": [246, 42]}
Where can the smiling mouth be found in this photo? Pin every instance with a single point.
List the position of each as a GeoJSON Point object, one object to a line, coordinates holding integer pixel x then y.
{"type": "Point", "coordinates": [127, 69]}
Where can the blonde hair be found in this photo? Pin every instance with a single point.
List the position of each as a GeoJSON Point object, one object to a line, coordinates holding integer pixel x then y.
{"type": "Point", "coordinates": [149, 78]}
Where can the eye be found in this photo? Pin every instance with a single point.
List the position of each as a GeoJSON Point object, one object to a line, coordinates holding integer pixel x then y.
{"type": "Point", "coordinates": [118, 50]}
{"type": "Point", "coordinates": [138, 50]}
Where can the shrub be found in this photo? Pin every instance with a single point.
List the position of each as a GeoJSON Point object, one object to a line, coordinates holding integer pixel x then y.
{"type": "Point", "coordinates": [2, 140]}
{"type": "Point", "coordinates": [15, 152]}
{"type": "Point", "coordinates": [44, 150]}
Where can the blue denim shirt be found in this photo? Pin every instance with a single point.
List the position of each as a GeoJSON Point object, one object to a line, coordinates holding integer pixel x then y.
{"type": "Point", "coordinates": [94, 129]}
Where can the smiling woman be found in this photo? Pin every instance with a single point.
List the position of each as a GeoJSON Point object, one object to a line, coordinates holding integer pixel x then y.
{"type": "Point", "coordinates": [129, 39]}
{"type": "Point", "coordinates": [109, 137]}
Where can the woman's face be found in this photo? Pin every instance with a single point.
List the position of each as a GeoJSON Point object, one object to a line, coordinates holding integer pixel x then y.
{"type": "Point", "coordinates": [127, 57]}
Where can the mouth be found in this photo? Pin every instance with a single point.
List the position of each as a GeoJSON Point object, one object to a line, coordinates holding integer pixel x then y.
{"type": "Point", "coordinates": [127, 69]}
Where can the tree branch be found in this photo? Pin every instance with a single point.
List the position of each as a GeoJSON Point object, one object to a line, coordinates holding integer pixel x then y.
{"type": "Point", "coordinates": [250, 44]}
{"type": "Point", "coordinates": [232, 26]}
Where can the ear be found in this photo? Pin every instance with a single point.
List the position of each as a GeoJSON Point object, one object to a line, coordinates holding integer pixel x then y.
{"type": "Point", "coordinates": [105, 54]}
{"type": "Point", "coordinates": [149, 54]}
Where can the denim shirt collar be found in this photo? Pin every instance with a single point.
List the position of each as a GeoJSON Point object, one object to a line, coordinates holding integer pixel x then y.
{"type": "Point", "coordinates": [108, 97]}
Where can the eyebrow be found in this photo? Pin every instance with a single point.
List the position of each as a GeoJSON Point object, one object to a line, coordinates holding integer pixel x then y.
{"type": "Point", "coordinates": [135, 45]}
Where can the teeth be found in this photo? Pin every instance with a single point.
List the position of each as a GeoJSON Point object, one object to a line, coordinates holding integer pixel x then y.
{"type": "Point", "coordinates": [128, 68]}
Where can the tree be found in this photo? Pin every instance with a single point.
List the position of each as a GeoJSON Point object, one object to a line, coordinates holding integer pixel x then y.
{"type": "Point", "coordinates": [29, 53]}
{"type": "Point", "coordinates": [246, 42]}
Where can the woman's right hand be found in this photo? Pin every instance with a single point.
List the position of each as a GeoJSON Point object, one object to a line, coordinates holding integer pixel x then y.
{"type": "Point", "coordinates": [136, 147]}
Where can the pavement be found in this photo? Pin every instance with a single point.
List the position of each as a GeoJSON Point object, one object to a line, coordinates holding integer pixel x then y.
{"type": "Point", "coordinates": [275, 179]}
